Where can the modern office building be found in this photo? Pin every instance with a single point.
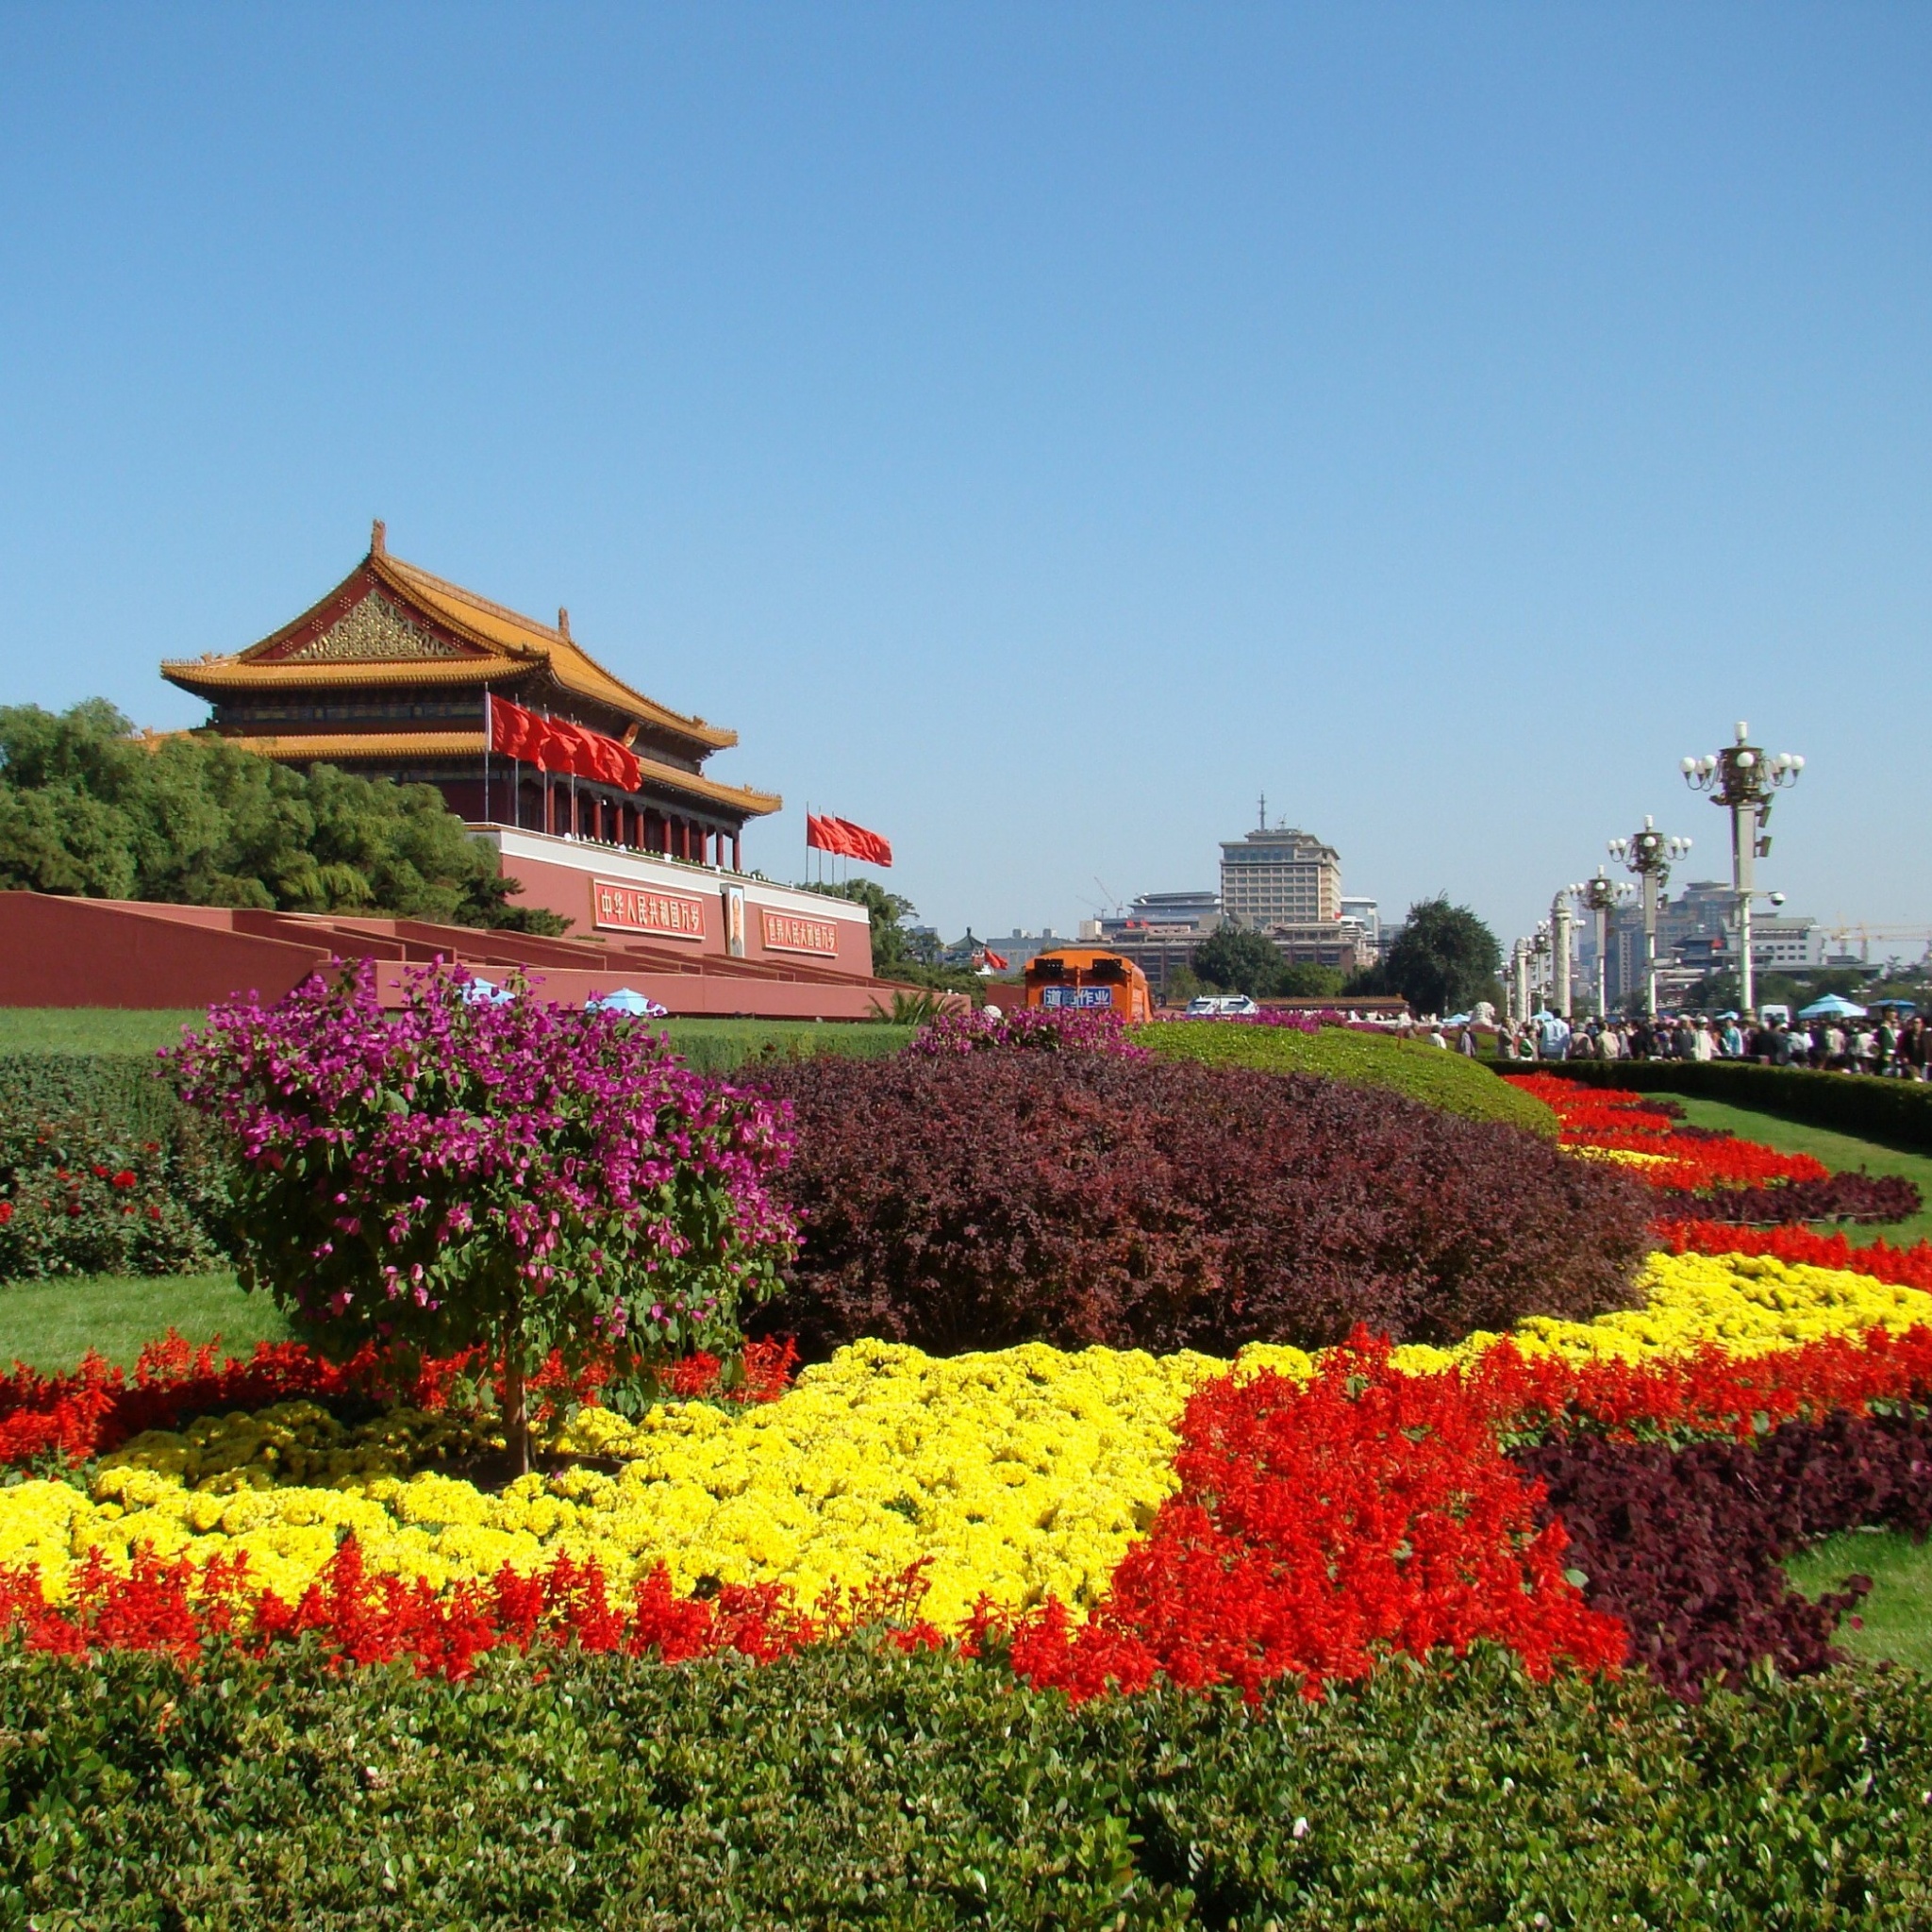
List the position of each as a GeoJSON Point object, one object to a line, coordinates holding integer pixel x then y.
{"type": "Point", "coordinates": [1279, 876]}
{"type": "Point", "coordinates": [1696, 934]}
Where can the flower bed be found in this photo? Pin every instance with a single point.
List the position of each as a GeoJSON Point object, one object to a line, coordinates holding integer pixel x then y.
{"type": "Point", "coordinates": [1071, 1510]}
{"type": "Point", "coordinates": [1731, 1179]}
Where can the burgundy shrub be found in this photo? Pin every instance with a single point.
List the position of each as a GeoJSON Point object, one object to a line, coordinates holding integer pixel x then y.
{"type": "Point", "coordinates": [1686, 1544]}
{"type": "Point", "coordinates": [1851, 1196]}
{"type": "Point", "coordinates": [978, 1200]}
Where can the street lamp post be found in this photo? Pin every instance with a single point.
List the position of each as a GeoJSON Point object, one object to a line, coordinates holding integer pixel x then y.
{"type": "Point", "coordinates": [1600, 895]}
{"type": "Point", "coordinates": [1741, 779]}
{"type": "Point", "coordinates": [1648, 854]}
{"type": "Point", "coordinates": [1519, 980]}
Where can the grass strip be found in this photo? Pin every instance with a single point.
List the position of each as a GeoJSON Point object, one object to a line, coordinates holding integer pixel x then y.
{"type": "Point", "coordinates": [51, 1325]}
{"type": "Point", "coordinates": [1416, 1068]}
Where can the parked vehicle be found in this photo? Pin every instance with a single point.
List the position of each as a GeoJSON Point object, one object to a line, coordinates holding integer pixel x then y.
{"type": "Point", "coordinates": [1221, 1005]}
{"type": "Point", "coordinates": [1079, 978]}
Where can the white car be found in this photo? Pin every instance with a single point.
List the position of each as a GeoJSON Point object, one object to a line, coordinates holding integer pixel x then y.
{"type": "Point", "coordinates": [1222, 1005]}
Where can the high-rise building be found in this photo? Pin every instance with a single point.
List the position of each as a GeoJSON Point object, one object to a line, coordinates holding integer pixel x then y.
{"type": "Point", "coordinates": [1279, 876]}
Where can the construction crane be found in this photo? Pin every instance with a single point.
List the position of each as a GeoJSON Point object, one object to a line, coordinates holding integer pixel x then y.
{"type": "Point", "coordinates": [1839, 935]}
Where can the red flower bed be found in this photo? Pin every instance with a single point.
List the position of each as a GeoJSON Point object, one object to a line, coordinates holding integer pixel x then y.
{"type": "Point", "coordinates": [96, 1408]}
{"type": "Point", "coordinates": [358, 1618]}
{"type": "Point", "coordinates": [1905, 1267]}
{"type": "Point", "coordinates": [1318, 1525]}
{"type": "Point", "coordinates": [1733, 1179]}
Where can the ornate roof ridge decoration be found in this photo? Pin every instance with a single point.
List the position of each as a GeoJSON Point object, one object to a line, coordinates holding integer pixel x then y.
{"type": "Point", "coordinates": [428, 629]}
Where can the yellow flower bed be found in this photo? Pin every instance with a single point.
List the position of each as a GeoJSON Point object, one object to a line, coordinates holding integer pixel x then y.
{"type": "Point", "coordinates": [1618, 1157]}
{"type": "Point", "coordinates": [1018, 1473]}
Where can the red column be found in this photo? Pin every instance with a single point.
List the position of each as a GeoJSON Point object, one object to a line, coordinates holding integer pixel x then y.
{"type": "Point", "coordinates": [735, 865]}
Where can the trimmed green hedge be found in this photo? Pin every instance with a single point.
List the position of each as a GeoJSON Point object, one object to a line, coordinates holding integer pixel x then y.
{"type": "Point", "coordinates": [1425, 1072]}
{"type": "Point", "coordinates": [722, 1046]}
{"type": "Point", "coordinates": [1896, 1113]}
{"type": "Point", "coordinates": [853, 1785]}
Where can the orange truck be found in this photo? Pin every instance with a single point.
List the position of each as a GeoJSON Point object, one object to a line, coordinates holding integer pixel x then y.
{"type": "Point", "coordinates": [1078, 978]}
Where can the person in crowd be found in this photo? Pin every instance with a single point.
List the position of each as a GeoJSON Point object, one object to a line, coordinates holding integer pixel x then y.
{"type": "Point", "coordinates": [1465, 1040]}
{"type": "Point", "coordinates": [1552, 1036]}
{"type": "Point", "coordinates": [1684, 1038]}
{"type": "Point", "coordinates": [1911, 1049]}
{"type": "Point", "coordinates": [1731, 1041]}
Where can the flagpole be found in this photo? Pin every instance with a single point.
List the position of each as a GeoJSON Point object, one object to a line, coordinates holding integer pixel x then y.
{"type": "Point", "coordinates": [488, 734]}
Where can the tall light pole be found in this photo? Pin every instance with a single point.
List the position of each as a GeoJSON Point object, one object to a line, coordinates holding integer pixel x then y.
{"type": "Point", "coordinates": [1648, 854]}
{"type": "Point", "coordinates": [1539, 948]}
{"type": "Point", "coordinates": [1601, 895]}
{"type": "Point", "coordinates": [1519, 980]}
{"type": "Point", "coordinates": [1559, 952]}
{"type": "Point", "coordinates": [1741, 779]}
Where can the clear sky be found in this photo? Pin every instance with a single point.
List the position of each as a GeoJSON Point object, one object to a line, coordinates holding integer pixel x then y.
{"type": "Point", "coordinates": [1037, 429]}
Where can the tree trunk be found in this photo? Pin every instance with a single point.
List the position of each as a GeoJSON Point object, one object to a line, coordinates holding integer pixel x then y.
{"type": "Point", "coordinates": [516, 1414]}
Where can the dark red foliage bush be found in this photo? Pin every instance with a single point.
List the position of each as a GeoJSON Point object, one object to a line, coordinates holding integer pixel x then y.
{"type": "Point", "coordinates": [1853, 1196]}
{"type": "Point", "coordinates": [978, 1200]}
{"type": "Point", "coordinates": [1685, 1545]}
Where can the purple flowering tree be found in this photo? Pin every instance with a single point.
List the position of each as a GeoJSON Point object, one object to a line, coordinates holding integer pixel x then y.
{"type": "Point", "coordinates": [505, 1174]}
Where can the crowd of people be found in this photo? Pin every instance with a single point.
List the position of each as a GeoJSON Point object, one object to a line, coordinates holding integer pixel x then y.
{"type": "Point", "coordinates": [1877, 1047]}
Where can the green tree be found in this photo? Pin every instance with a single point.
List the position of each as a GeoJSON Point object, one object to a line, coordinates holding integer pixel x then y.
{"type": "Point", "coordinates": [1444, 958]}
{"type": "Point", "coordinates": [91, 809]}
{"type": "Point", "coordinates": [888, 912]}
{"type": "Point", "coordinates": [1302, 981]}
{"type": "Point", "coordinates": [1240, 961]}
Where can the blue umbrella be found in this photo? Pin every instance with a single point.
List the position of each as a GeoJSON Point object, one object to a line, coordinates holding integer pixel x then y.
{"type": "Point", "coordinates": [485, 992]}
{"type": "Point", "coordinates": [628, 1000]}
{"type": "Point", "coordinates": [1831, 1007]}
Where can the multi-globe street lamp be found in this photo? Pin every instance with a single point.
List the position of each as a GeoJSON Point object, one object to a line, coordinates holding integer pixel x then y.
{"type": "Point", "coordinates": [1741, 779]}
{"type": "Point", "coordinates": [1649, 854]}
{"type": "Point", "coordinates": [1601, 896]}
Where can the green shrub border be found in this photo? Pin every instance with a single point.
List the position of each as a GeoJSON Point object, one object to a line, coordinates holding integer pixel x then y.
{"type": "Point", "coordinates": [1893, 1113]}
{"type": "Point", "coordinates": [855, 1787]}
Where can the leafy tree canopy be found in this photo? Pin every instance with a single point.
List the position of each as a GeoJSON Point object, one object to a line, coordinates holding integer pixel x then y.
{"type": "Point", "coordinates": [1240, 961]}
{"type": "Point", "coordinates": [1444, 957]}
{"type": "Point", "coordinates": [889, 913]}
{"type": "Point", "coordinates": [89, 809]}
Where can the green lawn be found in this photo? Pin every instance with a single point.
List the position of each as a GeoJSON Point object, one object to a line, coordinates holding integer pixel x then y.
{"type": "Point", "coordinates": [91, 1029]}
{"type": "Point", "coordinates": [715, 1045]}
{"type": "Point", "coordinates": [1897, 1616]}
{"type": "Point", "coordinates": [1837, 1151]}
{"type": "Point", "coordinates": [51, 1325]}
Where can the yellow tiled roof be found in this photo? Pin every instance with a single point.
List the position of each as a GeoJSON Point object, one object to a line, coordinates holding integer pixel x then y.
{"type": "Point", "coordinates": [333, 747]}
{"type": "Point", "coordinates": [239, 673]}
{"type": "Point", "coordinates": [509, 644]}
{"type": "Point", "coordinates": [498, 629]}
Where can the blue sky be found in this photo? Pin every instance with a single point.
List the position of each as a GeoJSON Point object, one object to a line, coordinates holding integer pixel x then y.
{"type": "Point", "coordinates": [1036, 429]}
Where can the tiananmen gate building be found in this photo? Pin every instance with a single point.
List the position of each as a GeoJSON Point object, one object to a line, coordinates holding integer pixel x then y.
{"type": "Point", "coordinates": [595, 796]}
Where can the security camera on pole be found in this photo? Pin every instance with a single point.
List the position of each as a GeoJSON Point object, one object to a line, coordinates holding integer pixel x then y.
{"type": "Point", "coordinates": [1741, 779]}
{"type": "Point", "coordinates": [1601, 895]}
{"type": "Point", "coordinates": [1648, 854]}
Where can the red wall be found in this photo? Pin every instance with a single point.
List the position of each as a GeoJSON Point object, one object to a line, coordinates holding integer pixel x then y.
{"type": "Point", "coordinates": [566, 890]}
{"type": "Point", "coordinates": [101, 953]}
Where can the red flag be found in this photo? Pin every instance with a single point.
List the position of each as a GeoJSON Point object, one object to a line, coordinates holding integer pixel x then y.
{"type": "Point", "coordinates": [826, 835]}
{"type": "Point", "coordinates": [860, 843]}
{"type": "Point", "coordinates": [997, 961]}
{"type": "Point", "coordinates": [513, 731]}
{"type": "Point", "coordinates": [555, 744]}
